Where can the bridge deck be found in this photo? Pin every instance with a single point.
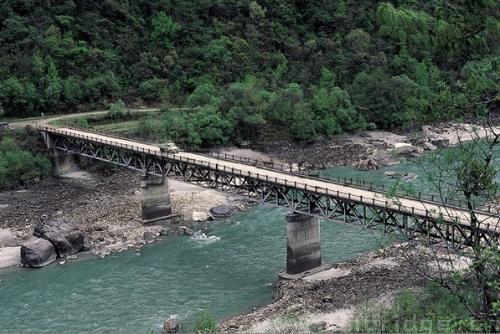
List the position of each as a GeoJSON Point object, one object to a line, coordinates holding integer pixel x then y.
{"type": "Point", "coordinates": [411, 206]}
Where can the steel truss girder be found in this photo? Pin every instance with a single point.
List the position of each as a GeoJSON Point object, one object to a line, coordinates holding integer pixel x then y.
{"type": "Point", "coordinates": [266, 191]}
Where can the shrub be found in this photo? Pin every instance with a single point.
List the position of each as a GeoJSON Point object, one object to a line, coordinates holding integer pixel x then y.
{"type": "Point", "coordinates": [18, 166]}
{"type": "Point", "coordinates": [117, 110]}
{"type": "Point", "coordinates": [205, 323]}
{"type": "Point", "coordinates": [152, 90]}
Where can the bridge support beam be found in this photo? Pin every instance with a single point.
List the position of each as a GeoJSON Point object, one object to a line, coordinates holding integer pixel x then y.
{"type": "Point", "coordinates": [304, 244]}
{"type": "Point", "coordinates": [156, 204]}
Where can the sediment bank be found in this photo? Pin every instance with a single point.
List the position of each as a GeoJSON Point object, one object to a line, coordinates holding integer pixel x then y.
{"type": "Point", "coordinates": [369, 150]}
{"type": "Point", "coordinates": [105, 207]}
{"type": "Point", "coordinates": [331, 298]}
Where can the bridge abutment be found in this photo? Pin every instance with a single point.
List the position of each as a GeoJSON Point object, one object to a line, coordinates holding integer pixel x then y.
{"type": "Point", "coordinates": [155, 203]}
{"type": "Point", "coordinates": [304, 243]}
{"type": "Point", "coordinates": [63, 162]}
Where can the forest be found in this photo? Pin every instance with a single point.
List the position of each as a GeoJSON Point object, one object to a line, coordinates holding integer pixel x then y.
{"type": "Point", "coordinates": [241, 69]}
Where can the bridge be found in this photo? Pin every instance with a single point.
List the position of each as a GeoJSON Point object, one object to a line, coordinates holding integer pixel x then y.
{"type": "Point", "coordinates": [306, 197]}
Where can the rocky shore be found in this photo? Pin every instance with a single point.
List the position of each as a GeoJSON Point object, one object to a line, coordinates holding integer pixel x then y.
{"type": "Point", "coordinates": [104, 207]}
{"type": "Point", "coordinates": [370, 150]}
{"type": "Point", "coordinates": [330, 299]}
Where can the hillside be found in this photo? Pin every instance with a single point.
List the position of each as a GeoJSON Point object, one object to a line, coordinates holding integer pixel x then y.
{"type": "Point", "coordinates": [303, 68]}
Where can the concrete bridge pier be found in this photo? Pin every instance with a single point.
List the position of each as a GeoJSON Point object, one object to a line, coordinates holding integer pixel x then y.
{"type": "Point", "coordinates": [304, 243]}
{"type": "Point", "coordinates": [63, 162]}
{"type": "Point", "coordinates": [155, 203]}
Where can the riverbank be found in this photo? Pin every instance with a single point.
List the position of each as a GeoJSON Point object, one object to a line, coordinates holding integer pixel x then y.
{"type": "Point", "coordinates": [332, 298]}
{"type": "Point", "coordinates": [369, 150]}
{"type": "Point", "coordinates": [104, 205]}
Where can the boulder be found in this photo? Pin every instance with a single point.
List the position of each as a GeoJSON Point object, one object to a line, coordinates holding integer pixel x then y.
{"type": "Point", "coordinates": [222, 211]}
{"type": "Point", "coordinates": [37, 253]}
{"type": "Point", "coordinates": [318, 326]}
{"type": "Point", "coordinates": [428, 146]}
{"type": "Point", "coordinates": [409, 177]}
{"type": "Point", "coordinates": [440, 142]}
{"type": "Point", "coordinates": [66, 238]}
{"type": "Point", "coordinates": [368, 164]}
{"type": "Point", "coordinates": [149, 237]}
{"type": "Point", "coordinates": [198, 216]}
{"type": "Point", "coordinates": [185, 230]}
{"type": "Point", "coordinates": [407, 149]}
{"type": "Point", "coordinates": [171, 325]}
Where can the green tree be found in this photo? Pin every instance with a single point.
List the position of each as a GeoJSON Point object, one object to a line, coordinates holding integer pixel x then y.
{"type": "Point", "coordinates": [204, 94]}
{"type": "Point", "coordinates": [164, 30]}
{"type": "Point", "coordinates": [388, 101]}
{"type": "Point", "coordinates": [284, 103]}
{"type": "Point", "coordinates": [332, 107]}
{"type": "Point", "coordinates": [179, 127]}
{"type": "Point", "coordinates": [153, 90]}
{"type": "Point", "coordinates": [246, 103]}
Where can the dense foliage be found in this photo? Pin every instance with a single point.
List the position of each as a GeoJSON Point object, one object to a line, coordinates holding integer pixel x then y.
{"type": "Point", "coordinates": [305, 68]}
{"type": "Point", "coordinates": [19, 165]}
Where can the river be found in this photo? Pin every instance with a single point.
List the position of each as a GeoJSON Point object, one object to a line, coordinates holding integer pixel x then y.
{"type": "Point", "coordinates": [136, 292]}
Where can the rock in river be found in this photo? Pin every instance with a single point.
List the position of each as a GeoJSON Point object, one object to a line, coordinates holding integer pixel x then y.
{"type": "Point", "coordinates": [185, 230]}
{"type": "Point", "coordinates": [171, 325]}
{"type": "Point", "coordinates": [37, 253]}
{"type": "Point", "coordinates": [66, 238]}
{"type": "Point", "coordinates": [409, 177]}
{"type": "Point", "coordinates": [149, 237]}
{"type": "Point", "coordinates": [222, 211]}
{"type": "Point", "coordinates": [198, 216]}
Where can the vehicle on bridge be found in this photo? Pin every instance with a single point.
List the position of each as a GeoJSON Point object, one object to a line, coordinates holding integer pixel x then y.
{"type": "Point", "coordinates": [4, 126]}
{"type": "Point", "coordinates": [169, 147]}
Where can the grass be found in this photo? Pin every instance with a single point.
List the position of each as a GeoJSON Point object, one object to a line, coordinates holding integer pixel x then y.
{"type": "Point", "coordinates": [205, 323]}
{"type": "Point", "coordinates": [121, 127]}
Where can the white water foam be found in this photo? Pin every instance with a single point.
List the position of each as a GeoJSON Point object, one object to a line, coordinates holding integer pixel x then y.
{"type": "Point", "coordinates": [200, 236]}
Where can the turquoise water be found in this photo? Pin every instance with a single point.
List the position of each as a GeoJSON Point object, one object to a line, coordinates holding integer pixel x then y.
{"type": "Point", "coordinates": [136, 293]}
{"type": "Point", "coordinates": [421, 167]}
{"type": "Point", "coordinates": [378, 177]}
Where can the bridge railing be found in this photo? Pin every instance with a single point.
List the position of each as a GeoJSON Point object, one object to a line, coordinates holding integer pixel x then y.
{"type": "Point", "coordinates": [448, 213]}
{"type": "Point", "coordinates": [290, 169]}
{"type": "Point", "coordinates": [344, 181]}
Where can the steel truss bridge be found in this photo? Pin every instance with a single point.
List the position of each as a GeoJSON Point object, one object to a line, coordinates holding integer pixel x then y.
{"type": "Point", "coordinates": [287, 188]}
